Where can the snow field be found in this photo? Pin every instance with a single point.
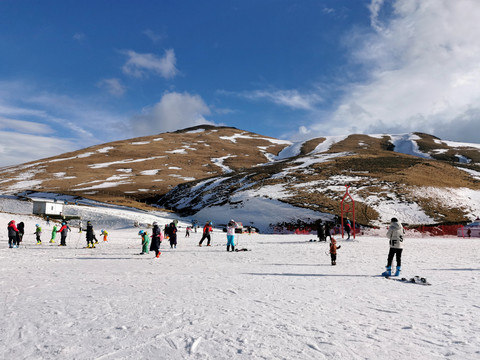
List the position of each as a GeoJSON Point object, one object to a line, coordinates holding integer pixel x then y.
{"type": "Point", "coordinates": [282, 300]}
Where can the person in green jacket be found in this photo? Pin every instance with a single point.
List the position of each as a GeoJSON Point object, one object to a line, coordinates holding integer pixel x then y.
{"type": "Point", "coordinates": [145, 242]}
{"type": "Point", "coordinates": [54, 233]}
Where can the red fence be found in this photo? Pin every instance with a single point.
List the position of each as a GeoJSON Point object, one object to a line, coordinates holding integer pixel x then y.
{"type": "Point", "coordinates": [437, 230]}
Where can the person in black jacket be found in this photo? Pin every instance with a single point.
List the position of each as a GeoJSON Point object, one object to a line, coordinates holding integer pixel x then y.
{"type": "Point", "coordinates": [172, 234]}
{"type": "Point", "coordinates": [90, 235]}
{"type": "Point", "coordinates": [21, 231]}
{"type": "Point", "coordinates": [157, 238]}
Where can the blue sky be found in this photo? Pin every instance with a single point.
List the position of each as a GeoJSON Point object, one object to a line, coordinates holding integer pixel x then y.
{"type": "Point", "coordinates": [80, 73]}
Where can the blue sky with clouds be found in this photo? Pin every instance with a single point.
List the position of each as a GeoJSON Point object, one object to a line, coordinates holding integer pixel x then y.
{"type": "Point", "coordinates": [79, 73]}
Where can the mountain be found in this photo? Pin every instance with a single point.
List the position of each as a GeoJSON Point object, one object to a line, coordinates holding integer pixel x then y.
{"type": "Point", "coordinates": [207, 172]}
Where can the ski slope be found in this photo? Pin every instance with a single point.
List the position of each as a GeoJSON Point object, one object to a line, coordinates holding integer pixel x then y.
{"type": "Point", "coordinates": [281, 300]}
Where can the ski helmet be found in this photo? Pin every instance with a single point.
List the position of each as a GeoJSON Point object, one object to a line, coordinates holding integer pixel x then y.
{"type": "Point", "coordinates": [210, 223]}
{"type": "Point", "coordinates": [141, 232]}
{"type": "Point", "coordinates": [37, 225]}
{"type": "Point", "coordinates": [155, 223]}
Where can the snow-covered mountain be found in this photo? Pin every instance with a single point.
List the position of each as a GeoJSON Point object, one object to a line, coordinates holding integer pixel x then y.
{"type": "Point", "coordinates": [207, 171]}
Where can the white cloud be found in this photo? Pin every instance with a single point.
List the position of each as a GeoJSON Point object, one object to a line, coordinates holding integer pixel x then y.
{"type": "Point", "coordinates": [423, 71]}
{"type": "Point", "coordinates": [24, 126]}
{"type": "Point", "coordinates": [79, 36]}
{"type": "Point", "coordinates": [174, 111]}
{"type": "Point", "coordinates": [155, 37]}
{"type": "Point", "coordinates": [289, 98]}
{"type": "Point", "coordinates": [139, 65]}
{"type": "Point", "coordinates": [114, 86]}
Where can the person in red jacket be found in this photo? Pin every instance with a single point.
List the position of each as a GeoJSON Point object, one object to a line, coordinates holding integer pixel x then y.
{"type": "Point", "coordinates": [63, 233]}
{"type": "Point", "coordinates": [207, 229]}
{"type": "Point", "coordinates": [12, 234]}
{"type": "Point", "coordinates": [333, 250]}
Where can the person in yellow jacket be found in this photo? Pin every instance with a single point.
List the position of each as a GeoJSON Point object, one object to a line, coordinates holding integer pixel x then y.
{"type": "Point", "coordinates": [105, 234]}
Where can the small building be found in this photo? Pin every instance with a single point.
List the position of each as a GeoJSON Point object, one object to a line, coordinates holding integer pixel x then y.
{"type": "Point", "coordinates": [47, 207]}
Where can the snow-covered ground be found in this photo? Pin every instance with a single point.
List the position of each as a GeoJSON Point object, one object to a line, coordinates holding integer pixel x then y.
{"type": "Point", "coordinates": [281, 300]}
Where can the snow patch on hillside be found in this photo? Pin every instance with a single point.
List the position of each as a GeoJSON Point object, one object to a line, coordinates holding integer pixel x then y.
{"type": "Point", "coordinates": [406, 144]}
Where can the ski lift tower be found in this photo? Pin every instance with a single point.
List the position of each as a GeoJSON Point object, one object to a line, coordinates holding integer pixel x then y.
{"type": "Point", "coordinates": [347, 206]}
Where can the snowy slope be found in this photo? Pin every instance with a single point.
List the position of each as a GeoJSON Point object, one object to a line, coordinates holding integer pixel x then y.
{"type": "Point", "coordinates": [282, 300]}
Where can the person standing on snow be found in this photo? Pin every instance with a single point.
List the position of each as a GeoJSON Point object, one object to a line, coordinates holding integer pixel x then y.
{"type": "Point", "coordinates": [145, 241]}
{"type": "Point", "coordinates": [63, 234]}
{"type": "Point", "coordinates": [105, 234]}
{"type": "Point", "coordinates": [157, 238]}
{"type": "Point", "coordinates": [333, 250]}
{"type": "Point", "coordinates": [172, 234]}
{"type": "Point", "coordinates": [54, 234]}
{"type": "Point", "coordinates": [90, 235]}
{"type": "Point", "coordinates": [12, 234]}
{"type": "Point", "coordinates": [232, 225]}
{"type": "Point", "coordinates": [395, 235]}
{"type": "Point", "coordinates": [20, 233]}
{"type": "Point", "coordinates": [38, 233]}
{"type": "Point", "coordinates": [207, 230]}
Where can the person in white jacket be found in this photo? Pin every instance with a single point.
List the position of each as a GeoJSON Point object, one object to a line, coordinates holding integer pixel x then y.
{"type": "Point", "coordinates": [395, 235]}
{"type": "Point", "coordinates": [232, 225]}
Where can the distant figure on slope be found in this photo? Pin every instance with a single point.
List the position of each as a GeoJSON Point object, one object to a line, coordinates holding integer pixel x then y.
{"type": "Point", "coordinates": [20, 233]}
{"type": "Point", "coordinates": [145, 241]}
{"type": "Point", "coordinates": [320, 231]}
{"type": "Point", "coordinates": [172, 234]}
{"type": "Point", "coordinates": [207, 230]}
{"type": "Point", "coordinates": [38, 233]}
{"type": "Point", "coordinates": [187, 231]}
{"type": "Point", "coordinates": [333, 250]}
{"type": "Point", "coordinates": [348, 228]}
{"type": "Point", "coordinates": [232, 225]}
{"type": "Point", "coordinates": [90, 235]}
{"type": "Point", "coordinates": [48, 221]}
{"type": "Point", "coordinates": [157, 238]}
{"type": "Point", "coordinates": [328, 231]}
{"type": "Point", "coordinates": [12, 234]}
{"type": "Point", "coordinates": [63, 234]}
{"type": "Point", "coordinates": [54, 234]}
{"type": "Point", "coordinates": [395, 235]}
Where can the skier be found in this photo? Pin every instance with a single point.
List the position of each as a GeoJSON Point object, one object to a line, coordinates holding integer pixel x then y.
{"type": "Point", "coordinates": [172, 234]}
{"type": "Point", "coordinates": [48, 221]}
{"type": "Point", "coordinates": [207, 229]}
{"type": "Point", "coordinates": [145, 241]}
{"type": "Point", "coordinates": [105, 234]}
{"type": "Point", "coordinates": [187, 231]}
{"type": "Point", "coordinates": [54, 234]}
{"type": "Point", "coordinates": [333, 250]}
{"type": "Point", "coordinates": [90, 235]}
{"type": "Point", "coordinates": [12, 234]}
{"type": "Point", "coordinates": [157, 238]}
{"type": "Point", "coordinates": [63, 232]}
{"type": "Point", "coordinates": [20, 233]}
{"type": "Point", "coordinates": [38, 233]}
{"type": "Point", "coordinates": [232, 225]}
{"type": "Point", "coordinates": [395, 234]}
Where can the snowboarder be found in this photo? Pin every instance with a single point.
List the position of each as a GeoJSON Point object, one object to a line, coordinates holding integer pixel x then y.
{"type": "Point", "coordinates": [63, 234]}
{"type": "Point", "coordinates": [54, 234]}
{"type": "Point", "coordinates": [172, 234]}
{"type": "Point", "coordinates": [333, 250]}
{"type": "Point", "coordinates": [20, 233]}
{"type": "Point", "coordinates": [145, 241]}
{"type": "Point", "coordinates": [207, 229]}
{"type": "Point", "coordinates": [395, 235]}
{"type": "Point", "coordinates": [157, 238]}
{"type": "Point", "coordinates": [232, 225]}
{"type": "Point", "coordinates": [90, 235]}
{"type": "Point", "coordinates": [12, 234]}
{"type": "Point", "coordinates": [38, 233]}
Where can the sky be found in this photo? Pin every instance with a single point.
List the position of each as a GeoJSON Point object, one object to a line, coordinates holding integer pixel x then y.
{"type": "Point", "coordinates": [80, 73]}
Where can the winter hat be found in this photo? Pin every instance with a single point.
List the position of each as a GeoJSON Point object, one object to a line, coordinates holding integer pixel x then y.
{"type": "Point", "coordinates": [394, 220]}
{"type": "Point", "coordinates": [155, 223]}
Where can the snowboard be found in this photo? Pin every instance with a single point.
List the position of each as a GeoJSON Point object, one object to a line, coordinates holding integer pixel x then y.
{"type": "Point", "coordinates": [414, 280]}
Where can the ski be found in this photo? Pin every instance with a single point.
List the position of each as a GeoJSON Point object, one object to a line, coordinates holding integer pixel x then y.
{"type": "Point", "coordinates": [414, 280]}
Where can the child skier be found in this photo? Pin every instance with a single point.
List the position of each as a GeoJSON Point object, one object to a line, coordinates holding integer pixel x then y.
{"type": "Point", "coordinates": [54, 234]}
{"type": "Point", "coordinates": [207, 229]}
{"type": "Point", "coordinates": [333, 250]}
{"type": "Point", "coordinates": [38, 233]}
{"type": "Point", "coordinates": [12, 234]}
{"type": "Point", "coordinates": [232, 225]}
{"type": "Point", "coordinates": [105, 234]}
{"type": "Point", "coordinates": [395, 234]}
{"type": "Point", "coordinates": [157, 238]}
{"type": "Point", "coordinates": [63, 234]}
{"type": "Point", "coordinates": [145, 241]}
